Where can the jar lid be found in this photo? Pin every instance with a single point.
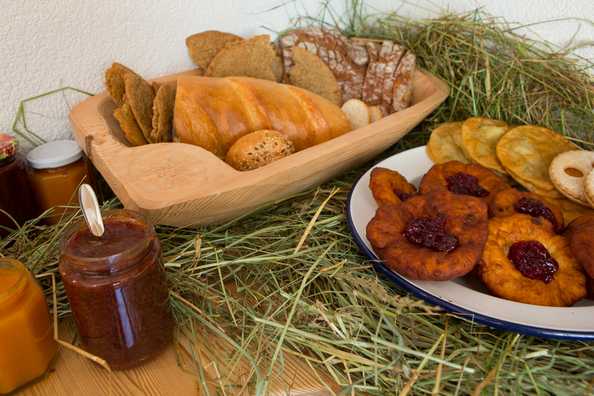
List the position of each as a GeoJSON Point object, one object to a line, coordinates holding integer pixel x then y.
{"type": "Point", "coordinates": [54, 154]}
{"type": "Point", "coordinates": [8, 146]}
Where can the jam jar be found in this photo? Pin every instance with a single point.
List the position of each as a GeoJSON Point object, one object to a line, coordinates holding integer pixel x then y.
{"type": "Point", "coordinates": [27, 344]}
{"type": "Point", "coordinates": [117, 289]}
{"type": "Point", "coordinates": [16, 196]}
{"type": "Point", "coordinates": [56, 171]}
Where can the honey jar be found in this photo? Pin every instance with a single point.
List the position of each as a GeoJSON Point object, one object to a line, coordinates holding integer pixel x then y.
{"type": "Point", "coordinates": [57, 169]}
{"type": "Point", "coordinates": [16, 197]}
{"type": "Point", "coordinates": [117, 289]}
{"type": "Point", "coordinates": [27, 344]}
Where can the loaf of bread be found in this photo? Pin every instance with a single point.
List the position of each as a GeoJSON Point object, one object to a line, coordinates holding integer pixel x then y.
{"type": "Point", "coordinates": [257, 149]}
{"type": "Point", "coordinates": [214, 112]}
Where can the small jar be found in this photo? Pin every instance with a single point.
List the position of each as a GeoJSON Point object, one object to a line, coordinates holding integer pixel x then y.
{"type": "Point", "coordinates": [57, 169]}
{"type": "Point", "coordinates": [16, 196]}
{"type": "Point", "coordinates": [27, 344]}
{"type": "Point", "coordinates": [117, 289]}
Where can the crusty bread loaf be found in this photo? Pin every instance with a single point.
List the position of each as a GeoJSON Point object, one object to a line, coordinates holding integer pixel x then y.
{"type": "Point", "coordinates": [214, 112]}
{"type": "Point", "coordinates": [257, 149]}
{"type": "Point", "coordinates": [309, 72]}
{"type": "Point", "coordinates": [203, 46]}
{"type": "Point", "coordinates": [357, 112]}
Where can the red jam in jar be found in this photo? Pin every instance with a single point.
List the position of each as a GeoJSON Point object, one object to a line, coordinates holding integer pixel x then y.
{"type": "Point", "coordinates": [117, 289]}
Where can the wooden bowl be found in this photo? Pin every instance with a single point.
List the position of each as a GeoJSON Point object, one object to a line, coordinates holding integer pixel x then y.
{"type": "Point", "coordinates": [180, 184]}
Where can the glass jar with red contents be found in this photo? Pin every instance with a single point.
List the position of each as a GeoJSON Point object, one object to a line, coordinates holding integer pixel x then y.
{"type": "Point", "coordinates": [17, 201]}
{"type": "Point", "coordinates": [117, 289]}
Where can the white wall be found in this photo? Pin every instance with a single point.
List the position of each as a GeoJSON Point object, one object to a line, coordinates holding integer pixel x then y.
{"type": "Point", "coordinates": [46, 44]}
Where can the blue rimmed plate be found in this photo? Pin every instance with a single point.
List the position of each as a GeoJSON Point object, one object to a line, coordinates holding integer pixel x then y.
{"type": "Point", "coordinates": [464, 296]}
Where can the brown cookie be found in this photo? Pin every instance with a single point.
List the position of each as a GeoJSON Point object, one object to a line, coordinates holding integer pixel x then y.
{"type": "Point", "coordinates": [309, 72]}
{"type": "Point", "coordinates": [163, 114]}
{"type": "Point", "coordinates": [253, 57]}
{"type": "Point", "coordinates": [129, 126]}
{"type": "Point", "coordinates": [140, 97]}
{"type": "Point", "coordinates": [114, 81]}
{"type": "Point", "coordinates": [204, 46]}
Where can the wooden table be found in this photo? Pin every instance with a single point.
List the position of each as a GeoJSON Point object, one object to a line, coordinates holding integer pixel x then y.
{"type": "Point", "coordinates": [170, 374]}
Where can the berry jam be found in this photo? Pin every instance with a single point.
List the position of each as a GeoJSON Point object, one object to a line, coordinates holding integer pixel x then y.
{"type": "Point", "coordinates": [533, 260]}
{"type": "Point", "coordinates": [465, 184]}
{"type": "Point", "coordinates": [536, 208]}
{"type": "Point", "coordinates": [403, 196]}
{"type": "Point", "coordinates": [430, 232]}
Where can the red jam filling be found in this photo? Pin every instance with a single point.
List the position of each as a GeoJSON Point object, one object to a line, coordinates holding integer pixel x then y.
{"type": "Point", "coordinates": [533, 260]}
{"type": "Point", "coordinates": [403, 196]}
{"type": "Point", "coordinates": [465, 184]}
{"type": "Point", "coordinates": [536, 208]}
{"type": "Point", "coordinates": [430, 232]}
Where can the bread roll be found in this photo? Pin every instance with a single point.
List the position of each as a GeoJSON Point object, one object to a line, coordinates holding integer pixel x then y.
{"type": "Point", "coordinates": [357, 112]}
{"type": "Point", "coordinates": [257, 149]}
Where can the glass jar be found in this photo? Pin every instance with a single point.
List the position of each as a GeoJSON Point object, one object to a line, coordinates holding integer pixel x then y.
{"type": "Point", "coordinates": [117, 289]}
{"type": "Point", "coordinates": [57, 169]}
{"type": "Point", "coordinates": [16, 196]}
{"type": "Point", "coordinates": [27, 344]}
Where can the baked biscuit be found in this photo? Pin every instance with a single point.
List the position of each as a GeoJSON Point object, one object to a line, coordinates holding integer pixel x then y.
{"type": "Point", "coordinates": [444, 146]}
{"type": "Point", "coordinates": [390, 187]}
{"type": "Point", "coordinates": [525, 262]}
{"type": "Point", "coordinates": [479, 140]}
{"type": "Point", "coordinates": [569, 171]}
{"type": "Point", "coordinates": [436, 236]}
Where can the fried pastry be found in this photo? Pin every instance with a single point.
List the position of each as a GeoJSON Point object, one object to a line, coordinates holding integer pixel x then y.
{"type": "Point", "coordinates": [463, 179]}
{"type": "Point", "coordinates": [479, 139]}
{"type": "Point", "coordinates": [524, 261]}
{"type": "Point", "coordinates": [510, 201]}
{"type": "Point", "coordinates": [436, 236]}
{"type": "Point", "coordinates": [389, 186]}
{"type": "Point", "coordinates": [444, 143]}
{"type": "Point", "coordinates": [580, 233]}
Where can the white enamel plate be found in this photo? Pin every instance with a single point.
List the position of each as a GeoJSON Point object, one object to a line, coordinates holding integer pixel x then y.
{"type": "Point", "coordinates": [463, 296]}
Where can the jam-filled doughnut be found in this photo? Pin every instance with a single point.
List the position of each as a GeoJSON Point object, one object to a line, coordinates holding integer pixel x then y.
{"type": "Point", "coordinates": [436, 236]}
{"type": "Point", "coordinates": [463, 179]}
{"type": "Point", "coordinates": [389, 186]}
{"type": "Point", "coordinates": [510, 201]}
{"type": "Point", "coordinates": [525, 261]}
{"type": "Point", "coordinates": [580, 233]}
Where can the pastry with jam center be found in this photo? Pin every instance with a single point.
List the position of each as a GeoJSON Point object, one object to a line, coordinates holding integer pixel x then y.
{"type": "Point", "coordinates": [511, 201]}
{"type": "Point", "coordinates": [390, 187]}
{"type": "Point", "coordinates": [526, 262]}
{"type": "Point", "coordinates": [463, 179]}
{"type": "Point", "coordinates": [436, 236]}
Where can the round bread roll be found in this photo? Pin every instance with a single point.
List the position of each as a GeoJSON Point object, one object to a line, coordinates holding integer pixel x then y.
{"type": "Point", "coordinates": [257, 149]}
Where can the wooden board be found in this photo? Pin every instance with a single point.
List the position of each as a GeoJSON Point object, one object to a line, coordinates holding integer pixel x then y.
{"type": "Point", "coordinates": [180, 184]}
{"type": "Point", "coordinates": [173, 373]}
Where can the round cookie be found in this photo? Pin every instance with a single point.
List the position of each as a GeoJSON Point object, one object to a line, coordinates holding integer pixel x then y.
{"type": "Point", "coordinates": [569, 171]}
{"type": "Point", "coordinates": [389, 186]}
{"type": "Point", "coordinates": [525, 262]}
{"type": "Point", "coordinates": [463, 179]}
{"type": "Point", "coordinates": [479, 140]}
{"type": "Point", "coordinates": [436, 236]}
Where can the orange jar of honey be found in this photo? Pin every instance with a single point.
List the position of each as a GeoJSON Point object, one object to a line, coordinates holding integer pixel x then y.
{"type": "Point", "coordinates": [57, 169]}
{"type": "Point", "coordinates": [27, 343]}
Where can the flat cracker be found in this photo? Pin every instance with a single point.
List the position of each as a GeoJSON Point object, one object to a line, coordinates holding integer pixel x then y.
{"type": "Point", "coordinates": [129, 126]}
{"type": "Point", "coordinates": [204, 46]}
{"type": "Point", "coordinates": [442, 146]}
{"type": "Point", "coordinates": [526, 152]}
{"type": "Point", "coordinates": [140, 97]}
{"type": "Point", "coordinates": [479, 140]}
{"type": "Point", "coordinates": [114, 82]}
{"type": "Point", "coordinates": [163, 114]}
{"type": "Point", "coordinates": [253, 57]}
{"type": "Point", "coordinates": [311, 73]}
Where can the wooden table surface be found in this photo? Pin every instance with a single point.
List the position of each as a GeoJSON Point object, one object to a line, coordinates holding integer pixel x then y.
{"type": "Point", "coordinates": [171, 373]}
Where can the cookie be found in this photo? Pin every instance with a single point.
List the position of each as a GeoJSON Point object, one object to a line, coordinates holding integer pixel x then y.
{"type": "Point", "coordinates": [526, 152]}
{"type": "Point", "coordinates": [436, 236]}
{"type": "Point", "coordinates": [163, 114]}
{"type": "Point", "coordinates": [140, 97]}
{"type": "Point", "coordinates": [479, 140]}
{"type": "Point", "coordinates": [389, 187]}
{"type": "Point", "coordinates": [443, 144]}
{"type": "Point", "coordinates": [129, 126]}
{"type": "Point", "coordinates": [309, 72]}
{"type": "Point", "coordinates": [114, 82]}
{"type": "Point", "coordinates": [569, 171]}
{"type": "Point", "coordinates": [524, 261]}
{"type": "Point", "coordinates": [204, 46]}
{"type": "Point", "coordinates": [253, 57]}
